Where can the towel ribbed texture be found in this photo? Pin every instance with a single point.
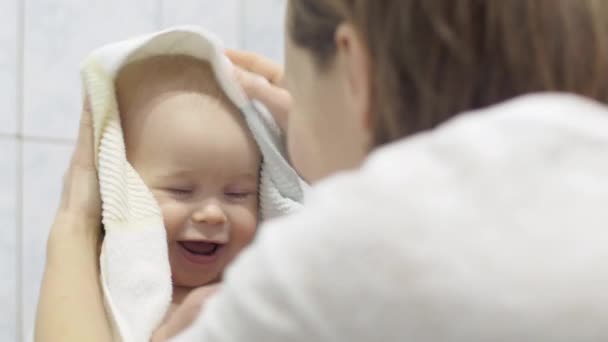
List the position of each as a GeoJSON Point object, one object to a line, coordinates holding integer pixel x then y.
{"type": "Point", "coordinates": [135, 270]}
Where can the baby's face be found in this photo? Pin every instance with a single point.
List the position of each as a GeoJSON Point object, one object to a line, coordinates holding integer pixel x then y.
{"type": "Point", "coordinates": [198, 158]}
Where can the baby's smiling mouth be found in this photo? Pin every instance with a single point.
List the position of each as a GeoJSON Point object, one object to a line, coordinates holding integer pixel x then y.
{"type": "Point", "coordinates": [202, 248]}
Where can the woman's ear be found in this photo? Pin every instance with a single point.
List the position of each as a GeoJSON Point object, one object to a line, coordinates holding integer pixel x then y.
{"type": "Point", "coordinates": [356, 66]}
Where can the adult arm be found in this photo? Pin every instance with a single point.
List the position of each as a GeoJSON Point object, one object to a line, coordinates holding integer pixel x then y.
{"type": "Point", "coordinates": [71, 305]}
{"type": "Point", "coordinates": [307, 277]}
{"type": "Point", "coordinates": [273, 292]}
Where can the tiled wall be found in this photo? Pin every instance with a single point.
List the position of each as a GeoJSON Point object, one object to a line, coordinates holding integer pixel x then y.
{"type": "Point", "coordinates": [42, 43]}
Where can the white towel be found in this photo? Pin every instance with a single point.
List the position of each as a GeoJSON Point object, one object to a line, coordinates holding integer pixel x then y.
{"type": "Point", "coordinates": [135, 271]}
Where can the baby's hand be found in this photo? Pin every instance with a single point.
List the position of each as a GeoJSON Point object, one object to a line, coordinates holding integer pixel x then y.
{"type": "Point", "coordinates": [185, 314]}
{"type": "Point", "coordinates": [261, 79]}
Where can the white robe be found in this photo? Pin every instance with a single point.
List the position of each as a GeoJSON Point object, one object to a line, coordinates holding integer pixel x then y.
{"type": "Point", "coordinates": [493, 227]}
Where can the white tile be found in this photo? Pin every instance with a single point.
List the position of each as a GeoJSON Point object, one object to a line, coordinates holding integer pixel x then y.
{"type": "Point", "coordinates": [58, 35]}
{"type": "Point", "coordinates": [8, 66]}
{"type": "Point", "coordinates": [264, 27]}
{"type": "Point", "coordinates": [219, 17]}
{"type": "Point", "coordinates": [44, 166]}
{"type": "Point", "coordinates": [8, 230]}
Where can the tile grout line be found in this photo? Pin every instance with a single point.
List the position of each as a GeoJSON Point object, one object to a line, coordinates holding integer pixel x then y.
{"type": "Point", "coordinates": [9, 136]}
{"type": "Point", "coordinates": [19, 164]}
{"type": "Point", "coordinates": [159, 14]}
{"type": "Point", "coordinates": [46, 140]}
{"type": "Point", "coordinates": [241, 22]}
{"type": "Point", "coordinates": [35, 139]}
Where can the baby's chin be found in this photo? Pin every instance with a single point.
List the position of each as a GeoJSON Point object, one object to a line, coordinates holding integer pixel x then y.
{"type": "Point", "coordinates": [185, 280]}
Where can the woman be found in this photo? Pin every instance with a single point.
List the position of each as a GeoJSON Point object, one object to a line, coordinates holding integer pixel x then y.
{"type": "Point", "coordinates": [484, 229]}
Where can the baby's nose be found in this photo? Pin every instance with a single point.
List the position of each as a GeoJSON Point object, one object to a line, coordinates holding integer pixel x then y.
{"type": "Point", "coordinates": [210, 213]}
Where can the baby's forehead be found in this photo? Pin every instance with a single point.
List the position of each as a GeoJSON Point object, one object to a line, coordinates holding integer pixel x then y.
{"type": "Point", "coordinates": [176, 101]}
{"type": "Point", "coordinates": [145, 79]}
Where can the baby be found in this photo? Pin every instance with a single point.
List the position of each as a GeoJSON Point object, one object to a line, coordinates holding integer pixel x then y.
{"type": "Point", "coordinates": [195, 153]}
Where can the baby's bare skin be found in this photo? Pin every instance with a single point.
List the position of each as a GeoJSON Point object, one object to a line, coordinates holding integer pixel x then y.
{"type": "Point", "coordinates": [195, 153]}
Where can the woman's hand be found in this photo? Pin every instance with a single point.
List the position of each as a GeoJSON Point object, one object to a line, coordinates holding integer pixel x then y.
{"type": "Point", "coordinates": [80, 199]}
{"type": "Point", "coordinates": [262, 80]}
{"type": "Point", "coordinates": [185, 314]}
{"type": "Point", "coordinates": [71, 306]}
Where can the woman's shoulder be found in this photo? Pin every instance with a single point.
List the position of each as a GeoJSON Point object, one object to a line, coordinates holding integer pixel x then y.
{"type": "Point", "coordinates": [474, 214]}
{"type": "Point", "coordinates": [519, 154]}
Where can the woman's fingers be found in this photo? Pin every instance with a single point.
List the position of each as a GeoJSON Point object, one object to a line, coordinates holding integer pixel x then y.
{"type": "Point", "coordinates": [257, 64]}
{"type": "Point", "coordinates": [261, 79]}
{"type": "Point", "coordinates": [276, 99]}
{"type": "Point", "coordinates": [84, 152]}
{"type": "Point", "coordinates": [81, 190]}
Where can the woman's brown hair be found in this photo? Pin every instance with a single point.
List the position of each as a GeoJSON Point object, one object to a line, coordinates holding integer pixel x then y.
{"type": "Point", "coordinates": [433, 59]}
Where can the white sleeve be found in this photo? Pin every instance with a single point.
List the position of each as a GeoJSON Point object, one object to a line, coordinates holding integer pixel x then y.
{"type": "Point", "coordinates": [291, 284]}
{"type": "Point", "coordinates": [462, 234]}
{"type": "Point", "coordinates": [267, 295]}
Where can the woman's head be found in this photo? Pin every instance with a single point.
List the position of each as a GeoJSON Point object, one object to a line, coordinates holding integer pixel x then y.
{"type": "Point", "coordinates": [367, 72]}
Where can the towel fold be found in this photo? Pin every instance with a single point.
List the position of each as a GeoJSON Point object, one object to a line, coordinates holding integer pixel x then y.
{"type": "Point", "coordinates": [135, 270]}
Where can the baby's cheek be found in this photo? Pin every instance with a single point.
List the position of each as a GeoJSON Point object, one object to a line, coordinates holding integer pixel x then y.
{"type": "Point", "coordinates": [174, 217]}
{"type": "Point", "coordinates": [245, 222]}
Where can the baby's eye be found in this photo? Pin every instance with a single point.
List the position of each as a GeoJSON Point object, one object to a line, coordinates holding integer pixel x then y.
{"type": "Point", "coordinates": [239, 194]}
{"type": "Point", "coordinates": [180, 191]}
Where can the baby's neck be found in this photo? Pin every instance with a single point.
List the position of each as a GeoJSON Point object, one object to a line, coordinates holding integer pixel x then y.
{"type": "Point", "coordinates": [179, 294]}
